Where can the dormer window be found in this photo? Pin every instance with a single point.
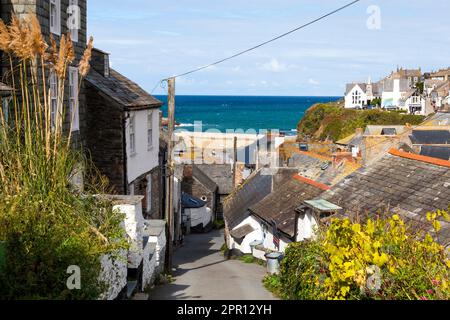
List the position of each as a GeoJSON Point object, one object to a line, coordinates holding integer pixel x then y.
{"type": "Point", "coordinates": [55, 17]}
{"type": "Point", "coordinates": [107, 65]}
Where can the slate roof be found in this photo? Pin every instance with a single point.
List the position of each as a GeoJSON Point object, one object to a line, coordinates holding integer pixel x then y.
{"type": "Point", "coordinates": [378, 130]}
{"type": "Point", "coordinates": [439, 119]}
{"type": "Point", "coordinates": [312, 167]}
{"type": "Point", "coordinates": [436, 152]}
{"type": "Point", "coordinates": [256, 187]}
{"type": "Point", "coordinates": [406, 184]}
{"type": "Point", "coordinates": [350, 86]}
{"type": "Point", "coordinates": [191, 202]}
{"type": "Point", "coordinates": [122, 90]}
{"type": "Point", "coordinates": [280, 205]}
{"type": "Point", "coordinates": [221, 175]}
{"type": "Point", "coordinates": [430, 137]}
{"type": "Point", "coordinates": [204, 179]}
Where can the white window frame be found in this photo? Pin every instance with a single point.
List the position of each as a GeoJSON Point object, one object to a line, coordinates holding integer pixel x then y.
{"type": "Point", "coordinates": [149, 193]}
{"type": "Point", "coordinates": [132, 135]}
{"type": "Point", "coordinates": [53, 85]}
{"type": "Point", "coordinates": [150, 130]}
{"type": "Point", "coordinates": [55, 21]}
{"type": "Point", "coordinates": [73, 99]}
{"type": "Point", "coordinates": [73, 11]}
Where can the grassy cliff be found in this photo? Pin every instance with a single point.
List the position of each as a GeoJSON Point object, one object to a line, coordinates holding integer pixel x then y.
{"type": "Point", "coordinates": [332, 121]}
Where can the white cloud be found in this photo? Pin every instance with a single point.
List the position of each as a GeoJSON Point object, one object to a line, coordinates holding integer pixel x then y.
{"type": "Point", "coordinates": [167, 33]}
{"type": "Point", "coordinates": [313, 82]}
{"type": "Point", "coordinates": [274, 66]}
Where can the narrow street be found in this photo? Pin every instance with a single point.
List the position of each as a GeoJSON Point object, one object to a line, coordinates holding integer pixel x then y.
{"type": "Point", "coordinates": [202, 273]}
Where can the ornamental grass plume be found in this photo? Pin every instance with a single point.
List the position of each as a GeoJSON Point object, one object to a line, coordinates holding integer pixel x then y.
{"type": "Point", "coordinates": [45, 225]}
{"type": "Point", "coordinates": [5, 38]}
{"type": "Point", "coordinates": [35, 37]}
{"type": "Point", "coordinates": [84, 65]}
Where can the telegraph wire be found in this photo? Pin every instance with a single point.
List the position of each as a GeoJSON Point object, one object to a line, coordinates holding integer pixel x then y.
{"type": "Point", "coordinates": [266, 42]}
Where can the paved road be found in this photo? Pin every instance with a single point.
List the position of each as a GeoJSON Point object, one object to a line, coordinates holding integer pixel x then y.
{"type": "Point", "coordinates": [202, 273]}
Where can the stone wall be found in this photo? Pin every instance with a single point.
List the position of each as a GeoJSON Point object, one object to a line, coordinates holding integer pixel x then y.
{"type": "Point", "coordinates": [140, 188]}
{"type": "Point", "coordinates": [192, 186]}
{"type": "Point", "coordinates": [105, 140]}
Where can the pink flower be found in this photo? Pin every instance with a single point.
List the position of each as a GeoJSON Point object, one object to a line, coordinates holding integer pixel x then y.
{"type": "Point", "coordinates": [435, 282]}
{"type": "Point", "coordinates": [430, 291]}
{"type": "Point", "coordinates": [423, 298]}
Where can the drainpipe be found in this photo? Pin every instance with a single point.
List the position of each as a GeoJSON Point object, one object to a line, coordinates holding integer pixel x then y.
{"type": "Point", "coordinates": [124, 145]}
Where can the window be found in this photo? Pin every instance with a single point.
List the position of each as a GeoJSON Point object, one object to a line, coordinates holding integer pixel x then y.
{"type": "Point", "coordinates": [132, 131]}
{"type": "Point", "coordinates": [73, 98]}
{"type": "Point", "coordinates": [55, 17]}
{"type": "Point", "coordinates": [150, 130]}
{"type": "Point", "coordinates": [149, 193]}
{"type": "Point", "coordinates": [53, 97]}
{"type": "Point", "coordinates": [73, 19]}
{"type": "Point", "coordinates": [356, 97]}
{"type": "Point", "coordinates": [106, 65]}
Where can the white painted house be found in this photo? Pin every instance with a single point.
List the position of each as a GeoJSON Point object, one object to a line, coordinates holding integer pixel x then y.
{"type": "Point", "coordinates": [361, 95]}
{"type": "Point", "coordinates": [355, 96]}
{"type": "Point", "coordinates": [142, 141]}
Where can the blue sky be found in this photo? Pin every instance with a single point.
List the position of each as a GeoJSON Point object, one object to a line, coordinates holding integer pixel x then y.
{"type": "Point", "coordinates": [153, 39]}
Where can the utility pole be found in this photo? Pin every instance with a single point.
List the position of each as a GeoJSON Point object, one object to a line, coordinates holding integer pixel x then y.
{"type": "Point", "coordinates": [235, 162]}
{"type": "Point", "coordinates": [170, 174]}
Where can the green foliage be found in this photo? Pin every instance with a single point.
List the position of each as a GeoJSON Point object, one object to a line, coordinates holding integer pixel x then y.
{"type": "Point", "coordinates": [273, 284]}
{"type": "Point", "coordinates": [219, 224]}
{"type": "Point", "coordinates": [46, 223]}
{"type": "Point", "coordinates": [330, 121]}
{"type": "Point", "coordinates": [247, 258]}
{"type": "Point", "coordinates": [381, 260]}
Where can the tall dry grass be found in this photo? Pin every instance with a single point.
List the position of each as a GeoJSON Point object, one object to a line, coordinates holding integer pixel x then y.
{"type": "Point", "coordinates": [46, 223]}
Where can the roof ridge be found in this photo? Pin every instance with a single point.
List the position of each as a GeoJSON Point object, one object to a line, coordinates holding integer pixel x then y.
{"type": "Point", "coordinates": [417, 157]}
{"type": "Point", "coordinates": [311, 182]}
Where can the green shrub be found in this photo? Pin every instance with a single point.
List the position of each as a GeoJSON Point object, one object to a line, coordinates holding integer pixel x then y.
{"type": "Point", "coordinates": [330, 121]}
{"type": "Point", "coordinates": [380, 260]}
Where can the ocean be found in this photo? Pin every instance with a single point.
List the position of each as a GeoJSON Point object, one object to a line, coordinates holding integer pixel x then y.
{"type": "Point", "coordinates": [242, 112]}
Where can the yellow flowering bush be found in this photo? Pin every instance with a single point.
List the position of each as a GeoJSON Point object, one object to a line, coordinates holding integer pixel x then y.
{"type": "Point", "coordinates": [381, 259]}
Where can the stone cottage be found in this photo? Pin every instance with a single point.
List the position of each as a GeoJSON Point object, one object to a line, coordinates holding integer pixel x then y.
{"type": "Point", "coordinates": [57, 18]}
{"type": "Point", "coordinates": [123, 133]}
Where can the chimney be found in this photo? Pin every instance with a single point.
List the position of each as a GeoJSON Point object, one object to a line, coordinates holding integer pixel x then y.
{"type": "Point", "coordinates": [100, 62]}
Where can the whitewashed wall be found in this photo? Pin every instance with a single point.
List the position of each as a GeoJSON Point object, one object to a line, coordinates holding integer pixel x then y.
{"type": "Point", "coordinates": [307, 226]}
{"type": "Point", "coordinates": [349, 98]}
{"type": "Point", "coordinates": [149, 266]}
{"type": "Point", "coordinates": [113, 274]}
{"type": "Point", "coordinates": [268, 242]}
{"type": "Point", "coordinates": [144, 160]}
{"type": "Point", "coordinates": [256, 235]}
{"type": "Point", "coordinates": [134, 226]}
{"type": "Point", "coordinates": [199, 216]}
{"type": "Point", "coordinates": [157, 236]}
